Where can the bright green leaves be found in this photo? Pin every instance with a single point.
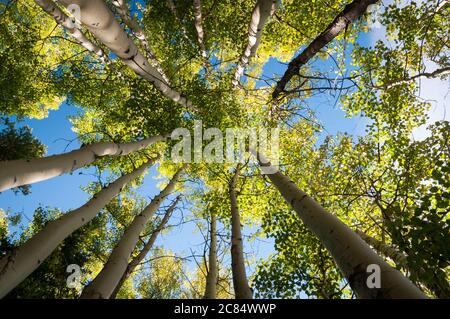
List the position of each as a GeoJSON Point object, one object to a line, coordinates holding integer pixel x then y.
{"type": "Point", "coordinates": [19, 143]}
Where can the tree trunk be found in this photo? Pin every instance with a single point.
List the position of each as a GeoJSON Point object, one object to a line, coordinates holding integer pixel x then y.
{"type": "Point", "coordinates": [23, 260]}
{"type": "Point", "coordinates": [199, 27]}
{"type": "Point", "coordinates": [140, 257]}
{"type": "Point", "coordinates": [211, 278]}
{"type": "Point", "coordinates": [103, 285]}
{"type": "Point", "coordinates": [22, 172]}
{"type": "Point", "coordinates": [61, 18]}
{"type": "Point", "coordinates": [241, 288]}
{"type": "Point", "coordinates": [350, 13]}
{"type": "Point", "coordinates": [100, 21]}
{"type": "Point", "coordinates": [440, 288]}
{"type": "Point", "coordinates": [262, 11]}
{"type": "Point", "coordinates": [397, 256]}
{"type": "Point", "coordinates": [134, 26]}
{"type": "Point", "coordinates": [351, 253]}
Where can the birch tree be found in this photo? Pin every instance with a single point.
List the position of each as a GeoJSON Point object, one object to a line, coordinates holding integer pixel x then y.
{"type": "Point", "coordinates": [212, 275]}
{"type": "Point", "coordinates": [17, 265]}
{"type": "Point", "coordinates": [240, 282]}
{"type": "Point", "coordinates": [350, 13]}
{"type": "Point", "coordinates": [351, 253]}
{"type": "Point", "coordinates": [104, 284]}
{"type": "Point", "coordinates": [137, 260]}
{"type": "Point", "coordinates": [262, 11]}
{"type": "Point", "coordinates": [100, 21]}
{"type": "Point", "coordinates": [16, 173]}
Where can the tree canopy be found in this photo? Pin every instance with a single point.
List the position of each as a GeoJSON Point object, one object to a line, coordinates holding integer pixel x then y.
{"type": "Point", "coordinates": [139, 71]}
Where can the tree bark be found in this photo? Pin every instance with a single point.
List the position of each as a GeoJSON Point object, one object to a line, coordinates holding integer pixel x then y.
{"type": "Point", "coordinates": [397, 256]}
{"type": "Point", "coordinates": [199, 27]}
{"type": "Point", "coordinates": [100, 21]}
{"type": "Point", "coordinates": [240, 283]}
{"type": "Point", "coordinates": [350, 13]}
{"type": "Point", "coordinates": [262, 11]}
{"type": "Point", "coordinates": [350, 252]}
{"type": "Point", "coordinates": [440, 288]}
{"type": "Point", "coordinates": [211, 278]}
{"type": "Point", "coordinates": [134, 26]}
{"type": "Point", "coordinates": [103, 285]}
{"type": "Point", "coordinates": [22, 172]}
{"type": "Point", "coordinates": [140, 257]}
{"type": "Point", "coordinates": [23, 260]}
{"type": "Point", "coordinates": [61, 18]}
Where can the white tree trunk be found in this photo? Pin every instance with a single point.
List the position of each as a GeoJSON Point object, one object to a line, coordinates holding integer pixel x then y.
{"type": "Point", "coordinates": [199, 27]}
{"type": "Point", "coordinates": [22, 172]}
{"type": "Point", "coordinates": [124, 12]}
{"type": "Point", "coordinates": [262, 11]}
{"type": "Point", "coordinates": [61, 18]}
{"type": "Point", "coordinates": [103, 285]}
{"type": "Point", "coordinates": [211, 278]}
{"type": "Point", "coordinates": [440, 288]}
{"type": "Point", "coordinates": [393, 253]}
{"type": "Point", "coordinates": [350, 252]}
{"type": "Point", "coordinates": [140, 257]}
{"type": "Point", "coordinates": [240, 283]}
{"type": "Point", "coordinates": [100, 21]}
{"type": "Point", "coordinates": [23, 260]}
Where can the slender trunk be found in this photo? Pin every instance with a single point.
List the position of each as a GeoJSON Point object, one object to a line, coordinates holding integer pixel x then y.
{"type": "Point", "coordinates": [144, 251]}
{"type": "Point", "coordinates": [23, 260]}
{"type": "Point", "coordinates": [211, 278]}
{"type": "Point", "coordinates": [262, 11]}
{"type": "Point", "coordinates": [100, 21]}
{"type": "Point", "coordinates": [199, 28]}
{"type": "Point", "coordinates": [124, 13]}
{"type": "Point", "coordinates": [61, 18]}
{"type": "Point", "coordinates": [241, 288]}
{"type": "Point", "coordinates": [22, 172]}
{"type": "Point", "coordinates": [350, 13]}
{"type": "Point", "coordinates": [350, 252]}
{"type": "Point", "coordinates": [103, 285]}
{"type": "Point", "coordinates": [397, 256]}
{"type": "Point", "coordinates": [440, 288]}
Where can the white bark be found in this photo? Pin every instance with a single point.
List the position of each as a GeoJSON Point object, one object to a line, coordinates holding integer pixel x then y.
{"type": "Point", "coordinates": [263, 10]}
{"type": "Point", "coordinates": [106, 281]}
{"type": "Point", "coordinates": [211, 278]}
{"type": "Point", "coordinates": [61, 18]}
{"type": "Point", "coordinates": [100, 21]}
{"type": "Point", "coordinates": [393, 253]}
{"type": "Point", "coordinates": [134, 26]}
{"type": "Point", "coordinates": [199, 27]}
{"type": "Point", "coordinates": [240, 283]}
{"type": "Point", "coordinates": [350, 252]}
{"type": "Point", "coordinates": [23, 260]}
{"type": "Point", "coordinates": [440, 288]}
{"type": "Point", "coordinates": [140, 257]}
{"type": "Point", "coordinates": [22, 172]}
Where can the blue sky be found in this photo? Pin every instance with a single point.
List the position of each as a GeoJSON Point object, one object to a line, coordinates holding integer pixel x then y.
{"type": "Point", "coordinates": [64, 191]}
